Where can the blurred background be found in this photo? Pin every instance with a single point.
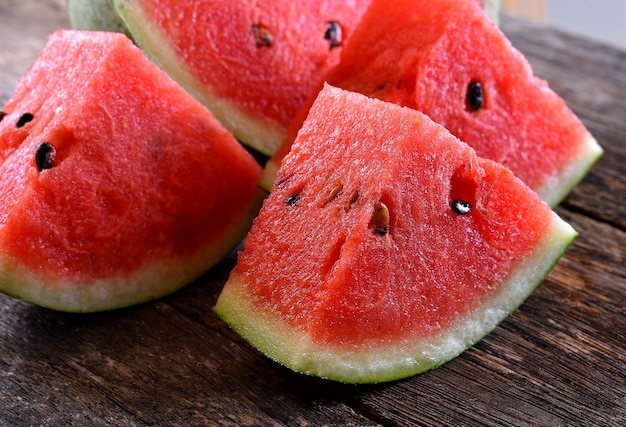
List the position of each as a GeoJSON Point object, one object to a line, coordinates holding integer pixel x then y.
{"type": "Point", "coordinates": [602, 20]}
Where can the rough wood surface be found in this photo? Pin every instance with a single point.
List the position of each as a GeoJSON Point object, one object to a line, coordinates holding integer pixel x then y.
{"type": "Point", "coordinates": [560, 360]}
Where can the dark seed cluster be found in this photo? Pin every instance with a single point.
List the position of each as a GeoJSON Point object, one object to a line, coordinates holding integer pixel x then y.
{"type": "Point", "coordinates": [263, 37]}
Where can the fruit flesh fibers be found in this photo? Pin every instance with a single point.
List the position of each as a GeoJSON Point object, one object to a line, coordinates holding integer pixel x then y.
{"type": "Point", "coordinates": [425, 54]}
{"type": "Point", "coordinates": [146, 192]}
{"type": "Point", "coordinates": [321, 289]}
{"type": "Point", "coordinates": [252, 63]}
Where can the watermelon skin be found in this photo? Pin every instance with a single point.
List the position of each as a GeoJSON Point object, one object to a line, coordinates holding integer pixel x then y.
{"type": "Point", "coordinates": [321, 290]}
{"type": "Point", "coordinates": [424, 54]}
{"type": "Point", "coordinates": [95, 15]}
{"type": "Point", "coordinates": [253, 88]}
{"type": "Point", "coordinates": [492, 8]}
{"type": "Point", "coordinates": [147, 189]}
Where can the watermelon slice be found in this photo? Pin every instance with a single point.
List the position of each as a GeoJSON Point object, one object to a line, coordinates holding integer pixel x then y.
{"type": "Point", "coordinates": [117, 186]}
{"type": "Point", "coordinates": [386, 246]}
{"type": "Point", "coordinates": [448, 60]}
{"type": "Point", "coordinates": [252, 63]}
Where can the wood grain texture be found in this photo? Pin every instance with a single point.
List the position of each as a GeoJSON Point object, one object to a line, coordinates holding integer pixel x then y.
{"type": "Point", "coordinates": [557, 361]}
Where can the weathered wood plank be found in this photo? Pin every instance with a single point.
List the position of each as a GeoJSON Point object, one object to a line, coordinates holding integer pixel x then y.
{"type": "Point", "coordinates": [147, 365]}
{"type": "Point", "coordinates": [558, 360]}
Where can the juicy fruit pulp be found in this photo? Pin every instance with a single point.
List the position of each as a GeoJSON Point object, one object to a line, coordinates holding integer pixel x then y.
{"type": "Point", "coordinates": [252, 63]}
{"type": "Point", "coordinates": [117, 186]}
{"type": "Point", "coordinates": [434, 56]}
{"type": "Point", "coordinates": [386, 246]}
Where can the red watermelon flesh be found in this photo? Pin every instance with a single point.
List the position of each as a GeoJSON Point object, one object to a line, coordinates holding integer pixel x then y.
{"type": "Point", "coordinates": [386, 246]}
{"type": "Point", "coordinates": [121, 187]}
{"type": "Point", "coordinates": [252, 63]}
{"type": "Point", "coordinates": [426, 54]}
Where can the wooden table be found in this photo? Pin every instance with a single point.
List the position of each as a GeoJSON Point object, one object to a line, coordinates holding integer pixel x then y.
{"type": "Point", "coordinates": [560, 360]}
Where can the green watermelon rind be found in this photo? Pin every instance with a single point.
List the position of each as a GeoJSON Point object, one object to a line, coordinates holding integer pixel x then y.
{"type": "Point", "coordinates": [270, 171]}
{"type": "Point", "coordinates": [149, 282]}
{"type": "Point", "coordinates": [95, 15]}
{"type": "Point", "coordinates": [292, 349]}
{"type": "Point", "coordinates": [558, 187]}
{"type": "Point", "coordinates": [493, 9]}
{"type": "Point", "coordinates": [245, 126]}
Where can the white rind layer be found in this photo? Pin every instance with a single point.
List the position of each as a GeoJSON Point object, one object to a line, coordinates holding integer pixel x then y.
{"type": "Point", "coordinates": [261, 135]}
{"type": "Point", "coordinates": [292, 347]}
{"type": "Point", "coordinates": [556, 188]}
{"type": "Point", "coordinates": [161, 277]}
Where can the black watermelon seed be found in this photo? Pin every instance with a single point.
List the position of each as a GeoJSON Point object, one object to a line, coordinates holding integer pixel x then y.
{"type": "Point", "coordinates": [333, 34]}
{"type": "Point", "coordinates": [475, 96]}
{"type": "Point", "coordinates": [291, 199]}
{"type": "Point", "coordinates": [262, 36]}
{"type": "Point", "coordinates": [44, 156]}
{"type": "Point", "coordinates": [461, 207]}
{"type": "Point", "coordinates": [24, 118]}
{"type": "Point", "coordinates": [2, 115]}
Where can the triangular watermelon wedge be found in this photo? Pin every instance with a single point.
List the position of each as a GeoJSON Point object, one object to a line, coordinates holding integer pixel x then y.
{"type": "Point", "coordinates": [386, 246]}
{"type": "Point", "coordinates": [447, 59]}
{"type": "Point", "coordinates": [117, 186]}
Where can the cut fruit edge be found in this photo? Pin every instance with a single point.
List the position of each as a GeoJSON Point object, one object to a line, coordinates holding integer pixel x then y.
{"type": "Point", "coordinates": [553, 191]}
{"type": "Point", "coordinates": [147, 283]}
{"type": "Point", "coordinates": [557, 188]}
{"type": "Point", "coordinates": [262, 136]}
{"type": "Point", "coordinates": [283, 344]}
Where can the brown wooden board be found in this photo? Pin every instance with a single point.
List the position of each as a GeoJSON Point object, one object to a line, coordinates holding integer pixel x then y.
{"type": "Point", "coordinates": [559, 360]}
